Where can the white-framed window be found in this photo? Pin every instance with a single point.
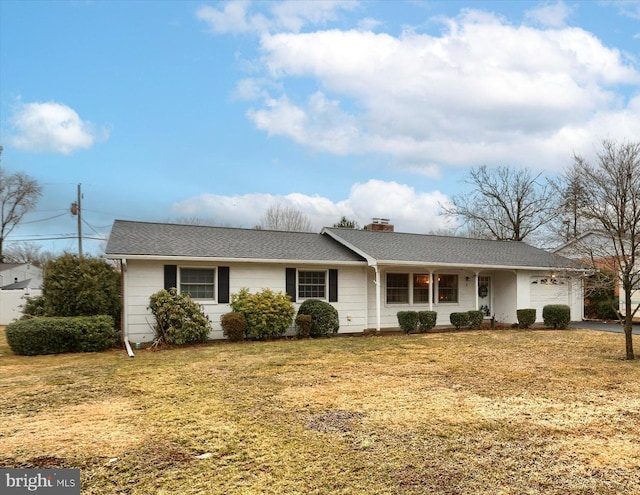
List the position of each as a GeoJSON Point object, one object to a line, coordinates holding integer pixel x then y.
{"type": "Point", "coordinates": [397, 288]}
{"type": "Point", "coordinates": [312, 284]}
{"type": "Point", "coordinates": [413, 288]}
{"type": "Point", "coordinates": [421, 282]}
{"type": "Point", "coordinates": [447, 288]}
{"type": "Point", "coordinates": [198, 283]}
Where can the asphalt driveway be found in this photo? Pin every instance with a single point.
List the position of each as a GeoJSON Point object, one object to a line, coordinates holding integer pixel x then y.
{"type": "Point", "coordinates": [603, 326]}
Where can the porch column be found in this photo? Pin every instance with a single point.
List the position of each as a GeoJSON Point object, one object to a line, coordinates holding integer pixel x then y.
{"type": "Point", "coordinates": [475, 282]}
{"type": "Point", "coordinates": [430, 290]}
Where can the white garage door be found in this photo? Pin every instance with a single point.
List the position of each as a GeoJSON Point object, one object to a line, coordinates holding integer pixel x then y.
{"type": "Point", "coordinates": [548, 290]}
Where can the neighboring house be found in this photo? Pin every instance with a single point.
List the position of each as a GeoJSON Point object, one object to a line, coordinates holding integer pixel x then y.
{"type": "Point", "coordinates": [597, 251]}
{"type": "Point", "coordinates": [367, 275]}
{"type": "Point", "coordinates": [17, 281]}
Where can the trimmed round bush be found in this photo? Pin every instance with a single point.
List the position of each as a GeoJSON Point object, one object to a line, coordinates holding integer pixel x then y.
{"type": "Point", "coordinates": [459, 319]}
{"type": "Point", "coordinates": [526, 317]}
{"type": "Point", "coordinates": [179, 319]}
{"type": "Point", "coordinates": [475, 318]}
{"type": "Point", "coordinates": [408, 320]}
{"type": "Point", "coordinates": [325, 321]}
{"type": "Point", "coordinates": [303, 326]}
{"type": "Point", "coordinates": [556, 315]}
{"type": "Point", "coordinates": [234, 325]}
{"type": "Point", "coordinates": [427, 320]}
{"type": "Point", "coordinates": [56, 335]}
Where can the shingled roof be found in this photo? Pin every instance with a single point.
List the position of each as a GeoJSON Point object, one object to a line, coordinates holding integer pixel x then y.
{"type": "Point", "coordinates": [396, 247]}
{"type": "Point", "coordinates": [143, 239]}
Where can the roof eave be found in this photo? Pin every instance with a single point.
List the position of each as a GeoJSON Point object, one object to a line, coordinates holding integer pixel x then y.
{"type": "Point", "coordinates": [151, 257]}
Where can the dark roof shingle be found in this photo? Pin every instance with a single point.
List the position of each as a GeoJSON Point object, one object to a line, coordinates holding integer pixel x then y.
{"type": "Point", "coordinates": [195, 241]}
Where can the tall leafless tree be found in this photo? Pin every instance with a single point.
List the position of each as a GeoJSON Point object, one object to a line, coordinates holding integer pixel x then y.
{"type": "Point", "coordinates": [279, 217]}
{"type": "Point", "coordinates": [504, 203]}
{"type": "Point", "coordinates": [19, 194]}
{"type": "Point", "coordinates": [24, 252]}
{"type": "Point", "coordinates": [611, 203]}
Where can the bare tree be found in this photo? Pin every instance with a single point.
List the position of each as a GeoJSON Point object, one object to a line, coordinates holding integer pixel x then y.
{"type": "Point", "coordinates": [279, 217]}
{"type": "Point", "coordinates": [23, 252]}
{"type": "Point", "coordinates": [19, 194]}
{"type": "Point", "coordinates": [611, 189]}
{"type": "Point", "coordinates": [505, 203]}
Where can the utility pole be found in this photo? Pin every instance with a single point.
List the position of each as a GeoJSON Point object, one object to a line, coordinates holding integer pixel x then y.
{"type": "Point", "coordinates": [76, 209]}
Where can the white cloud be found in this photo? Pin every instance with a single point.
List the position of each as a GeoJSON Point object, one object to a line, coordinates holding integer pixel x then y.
{"type": "Point", "coordinates": [550, 14]}
{"type": "Point", "coordinates": [409, 210]}
{"type": "Point", "coordinates": [51, 127]}
{"type": "Point", "coordinates": [288, 15]}
{"type": "Point", "coordinates": [484, 91]}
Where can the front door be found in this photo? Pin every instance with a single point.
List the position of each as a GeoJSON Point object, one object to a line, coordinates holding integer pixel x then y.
{"type": "Point", "coordinates": [484, 295]}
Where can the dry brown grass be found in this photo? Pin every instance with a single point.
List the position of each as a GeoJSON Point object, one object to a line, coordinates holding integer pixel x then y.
{"type": "Point", "coordinates": [488, 412]}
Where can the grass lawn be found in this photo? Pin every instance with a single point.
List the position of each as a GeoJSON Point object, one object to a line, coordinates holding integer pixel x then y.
{"type": "Point", "coordinates": [478, 412]}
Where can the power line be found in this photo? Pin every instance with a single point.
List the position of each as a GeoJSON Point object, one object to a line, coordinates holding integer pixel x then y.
{"type": "Point", "coordinates": [45, 219]}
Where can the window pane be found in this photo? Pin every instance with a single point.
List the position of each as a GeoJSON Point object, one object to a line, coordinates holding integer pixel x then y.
{"type": "Point", "coordinates": [448, 288]}
{"type": "Point", "coordinates": [198, 283]}
{"type": "Point", "coordinates": [421, 288]}
{"type": "Point", "coordinates": [397, 287]}
{"type": "Point", "coordinates": [311, 284]}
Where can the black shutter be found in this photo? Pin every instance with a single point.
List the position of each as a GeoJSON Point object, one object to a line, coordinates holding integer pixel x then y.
{"type": "Point", "coordinates": [223, 284]}
{"type": "Point", "coordinates": [170, 276]}
{"type": "Point", "coordinates": [333, 285]}
{"type": "Point", "coordinates": [291, 283]}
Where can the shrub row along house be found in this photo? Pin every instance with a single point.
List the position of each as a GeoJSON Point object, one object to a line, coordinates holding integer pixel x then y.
{"type": "Point", "coordinates": [367, 275]}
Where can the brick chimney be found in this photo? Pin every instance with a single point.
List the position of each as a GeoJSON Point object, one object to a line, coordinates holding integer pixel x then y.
{"type": "Point", "coordinates": [379, 224]}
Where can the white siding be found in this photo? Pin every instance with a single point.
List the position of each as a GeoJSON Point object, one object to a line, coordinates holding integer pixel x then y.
{"type": "Point", "coordinates": [12, 301]}
{"type": "Point", "coordinates": [144, 278]}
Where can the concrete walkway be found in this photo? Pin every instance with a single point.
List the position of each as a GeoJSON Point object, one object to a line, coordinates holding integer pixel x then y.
{"type": "Point", "coordinates": [603, 326]}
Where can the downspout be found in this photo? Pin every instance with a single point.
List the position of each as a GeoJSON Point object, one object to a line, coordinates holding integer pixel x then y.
{"type": "Point", "coordinates": [124, 314]}
{"type": "Point", "coordinates": [377, 282]}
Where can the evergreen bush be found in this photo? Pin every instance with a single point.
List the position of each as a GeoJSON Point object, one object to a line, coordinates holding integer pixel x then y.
{"type": "Point", "coordinates": [303, 326]}
{"type": "Point", "coordinates": [459, 319]}
{"type": "Point", "coordinates": [234, 325]}
{"type": "Point", "coordinates": [408, 320]}
{"type": "Point", "coordinates": [324, 317]}
{"type": "Point", "coordinates": [475, 318]}
{"type": "Point", "coordinates": [556, 315]}
{"type": "Point", "coordinates": [74, 286]}
{"type": "Point", "coordinates": [179, 319]}
{"type": "Point", "coordinates": [526, 317]}
{"type": "Point", "coordinates": [268, 313]}
{"type": "Point", "coordinates": [56, 335]}
{"type": "Point", "coordinates": [427, 320]}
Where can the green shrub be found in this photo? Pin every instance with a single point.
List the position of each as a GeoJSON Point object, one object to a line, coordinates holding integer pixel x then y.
{"type": "Point", "coordinates": [408, 320]}
{"type": "Point", "coordinates": [475, 318]}
{"type": "Point", "coordinates": [268, 313]}
{"type": "Point", "coordinates": [303, 326]}
{"type": "Point", "coordinates": [459, 320]}
{"type": "Point", "coordinates": [526, 317]}
{"type": "Point", "coordinates": [74, 286]}
{"type": "Point", "coordinates": [427, 320]}
{"type": "Point", "coordinates": [33, 307]}
{"type": "Point", "coordinates": [324, 317]}
{"type": "Point", "coordinates": [606, 312]}
{"type": "Point", "coordinates": [179, 319]}
{"type": "Point", "coordinates": [234, 325]}
{"type": "Point", "coordinates": [55, 335]}
{"type": "Point", "coordinates": [556, 315]}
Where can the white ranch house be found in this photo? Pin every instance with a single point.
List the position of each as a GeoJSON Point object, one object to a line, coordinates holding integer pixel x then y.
{"type": "Point", "coordinates": [367, 275]}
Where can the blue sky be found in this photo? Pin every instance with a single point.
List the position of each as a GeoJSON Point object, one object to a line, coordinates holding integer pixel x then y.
{"type": "Point", "coordinates": [218, 110]}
